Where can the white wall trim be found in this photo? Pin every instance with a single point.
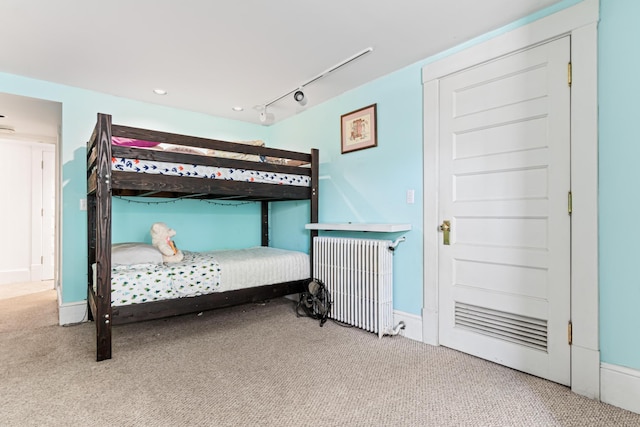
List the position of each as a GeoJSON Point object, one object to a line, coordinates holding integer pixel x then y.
{"type": "Point", "coordinates": [430, 324]}
{"type": "Point", "coordinates": [21, 275]}
{"type": "Point", "coordinates": [71, 313]}
{"type": "Point", "coordinates": [412, 325]}
{"type": "Point", "coordinates": [585, 371]}
{"type": "Point", "coordinates": [36, 271]}
{"type": "Point", "coordinates": [584, 218]}
{"type": "Point", "coordinates": [431, 185]}
{"type": "Point", "coordinates": [36, 212]}
{"type": "Point", "coordinates": [580, 21]}
{"type": "Point", "coordinates": [620, 386]}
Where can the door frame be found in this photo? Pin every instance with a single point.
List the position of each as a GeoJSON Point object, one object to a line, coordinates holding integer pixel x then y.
{"type": "Point", "coordinates": [49, 168]}
{"type": "Point", "coordinates": [38, 209]}
{"type": "Point", "coordinates": [580, 22]}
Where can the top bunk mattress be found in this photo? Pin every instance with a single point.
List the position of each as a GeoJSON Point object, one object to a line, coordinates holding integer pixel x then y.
{"type": "Point", "coordinates": [212, 172]}
{"type": "Point", "coordinates": [252, 174]}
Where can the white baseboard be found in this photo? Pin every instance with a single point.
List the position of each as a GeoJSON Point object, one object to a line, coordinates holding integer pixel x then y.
{"type": "Point", "coordinates": [585, 371]}
{"type": "Point", "coordinates": [36, 272]}
{"type": "Point", "coordinates": [412, 325]}
{"type": "Point", "coordinates": [430, 327]}
{"type": "Point", "coordinates": [15, 276]}
{"type": "Point", "coordinates": [71, 313]}
{"type": "Point", "coordinates": [620, 386]}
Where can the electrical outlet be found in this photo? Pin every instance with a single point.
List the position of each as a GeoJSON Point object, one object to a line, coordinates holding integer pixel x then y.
{"type": "Point", "coordinates": [83, 204]}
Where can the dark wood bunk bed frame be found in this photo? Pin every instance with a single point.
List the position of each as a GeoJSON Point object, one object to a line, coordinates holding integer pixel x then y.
{"type": "Point", "coordinates": [103, 183]}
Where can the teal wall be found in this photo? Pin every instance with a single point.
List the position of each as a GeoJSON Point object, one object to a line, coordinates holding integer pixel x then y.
{"type": "Point", "coordinates": [200, 225]}
{"type": "Point", "coordinates": [619, 173]}
{"type": "Point", "coordinates": [132, 221]}
{"type": "Point", "coordinates": [369, 185]}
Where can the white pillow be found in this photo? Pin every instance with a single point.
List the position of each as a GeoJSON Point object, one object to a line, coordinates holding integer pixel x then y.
{"type": "Point", "coordinates": [134, 253]}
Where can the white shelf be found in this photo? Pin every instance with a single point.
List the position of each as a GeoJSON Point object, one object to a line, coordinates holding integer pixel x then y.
{"type": "Point", "coordinates": [380, 228]}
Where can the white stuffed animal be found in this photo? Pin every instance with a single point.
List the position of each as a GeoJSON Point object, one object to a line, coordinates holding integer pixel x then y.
{"type": "Point", "coordinates": [161, 236]}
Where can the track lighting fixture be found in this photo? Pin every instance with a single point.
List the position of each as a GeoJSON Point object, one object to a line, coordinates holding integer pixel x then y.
{"type": "Point", "coordinates": [264, 116]}
{"type": "Point", "coordinates": [298, 94]}
{"type": "Point", "coordinates": [300, 98]}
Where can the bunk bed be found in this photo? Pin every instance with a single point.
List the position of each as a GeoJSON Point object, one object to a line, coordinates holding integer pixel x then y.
{"type": "Point", "coordinates": [108, 176]}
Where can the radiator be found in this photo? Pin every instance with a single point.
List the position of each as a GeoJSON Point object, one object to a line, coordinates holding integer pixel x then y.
{"type": "Point", "coordinates": [359, 276]}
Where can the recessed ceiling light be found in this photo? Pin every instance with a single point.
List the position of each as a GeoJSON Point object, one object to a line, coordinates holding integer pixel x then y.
{"type": "Point", "coordinates": [237, 108]}
{"type": "Point", "coordinates": [160, 91]}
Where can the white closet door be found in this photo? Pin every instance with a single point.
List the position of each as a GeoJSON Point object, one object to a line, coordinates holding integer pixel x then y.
{"type": "Point", "coordinates": [504, 279]}
{"type": "Point", "coordinates": [48, 213]}
{"type": "Point", "coordinates": [28, 192]}
{"type": "Point", "coordinates": [16, 213]}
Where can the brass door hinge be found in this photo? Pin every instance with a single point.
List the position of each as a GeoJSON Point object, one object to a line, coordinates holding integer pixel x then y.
{"type": "Point", "coordinates": [569, 74]}
{"type": "Point", "coordinates": [570, 332]}
{"type": "Point", "coordinates": [570, 203]}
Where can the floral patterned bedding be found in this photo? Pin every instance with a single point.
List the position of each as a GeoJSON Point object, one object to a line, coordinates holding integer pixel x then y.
{"type": "Point", "coordinates": [212, 172]}
{"type": "Point", "coordinates": [197, 274]}
{"type": "Point", "coordinates": [201, 273]}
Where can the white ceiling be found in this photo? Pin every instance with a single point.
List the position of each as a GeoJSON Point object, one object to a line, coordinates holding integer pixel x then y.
{"type": "Point", "coordinates": [211, 55]}
{"type": "Point", "coordinates": [29, 118]}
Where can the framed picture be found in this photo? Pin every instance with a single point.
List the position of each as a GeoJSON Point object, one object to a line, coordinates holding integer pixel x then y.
{"type": "Point", "coordinates": [358, 129]}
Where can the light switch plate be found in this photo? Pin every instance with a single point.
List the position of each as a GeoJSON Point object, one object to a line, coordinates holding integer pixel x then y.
{"type": "Point", "coordinates": [411, 197]}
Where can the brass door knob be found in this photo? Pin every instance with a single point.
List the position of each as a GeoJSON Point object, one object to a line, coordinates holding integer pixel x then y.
{"type": "Point", "coordinates": [445, 227]}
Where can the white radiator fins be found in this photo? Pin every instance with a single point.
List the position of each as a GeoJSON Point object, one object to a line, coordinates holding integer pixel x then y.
{"type": "Point", "coordinates": [359, 276]}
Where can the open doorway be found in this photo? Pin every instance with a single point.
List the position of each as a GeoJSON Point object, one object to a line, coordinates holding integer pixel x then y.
{"type": "Point", "coordinates": [13, 290]}
{"type": "Point", "coordinates": [29, 135]}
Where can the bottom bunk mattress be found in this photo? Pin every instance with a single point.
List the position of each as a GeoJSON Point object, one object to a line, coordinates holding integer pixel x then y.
{"type": "Point", "coordinates": [202, 273]}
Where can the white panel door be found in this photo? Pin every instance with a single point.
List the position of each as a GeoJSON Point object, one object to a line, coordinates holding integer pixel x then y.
{"type": "Point", "coordinates": [504, 279]}
{"type": "Point", "coordinates": [15, 193]}
{"type": "Point", "coordinates": [48, 213]}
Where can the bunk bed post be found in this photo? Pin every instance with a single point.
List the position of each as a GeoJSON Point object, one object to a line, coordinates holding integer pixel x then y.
{"type": "Point", "coordinates": [313, 219]}
{"type": "Point", "coordinates": [265, 223]}
{"type": "Point", "coordinates": [102, 233]}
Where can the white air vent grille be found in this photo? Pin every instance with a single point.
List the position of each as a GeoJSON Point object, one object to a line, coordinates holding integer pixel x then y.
{"type": "Point", "coordinates": [510, 327]}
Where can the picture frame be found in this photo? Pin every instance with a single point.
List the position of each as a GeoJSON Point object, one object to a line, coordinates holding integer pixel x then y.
{"type": "Point", "coordinates": [358, 129]}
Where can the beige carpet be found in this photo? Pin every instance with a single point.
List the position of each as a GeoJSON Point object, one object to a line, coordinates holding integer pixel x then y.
{"type": "Point", "coordinates": [259, 365]}
{"type": "Point", "coordinates": [12, 290]}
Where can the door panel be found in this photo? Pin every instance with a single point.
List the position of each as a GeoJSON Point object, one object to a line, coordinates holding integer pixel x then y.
{"type": "Point", "coordinates": [48, 213]}
{"type": "Point", "coordinates": [15, 175]}
{"type": "Point", "coordinates": [504, 284]}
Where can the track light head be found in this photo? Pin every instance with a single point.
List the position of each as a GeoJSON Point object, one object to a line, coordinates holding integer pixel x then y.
{"type": "Point", "coordinates": [300, 98]}
{"type": "Point", "coordinates": [265, 117]}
